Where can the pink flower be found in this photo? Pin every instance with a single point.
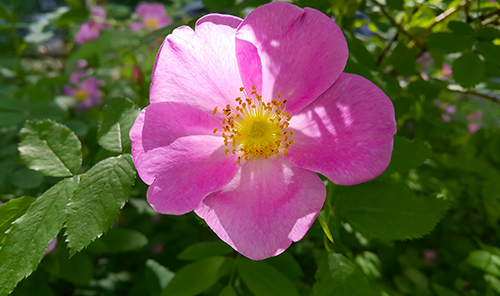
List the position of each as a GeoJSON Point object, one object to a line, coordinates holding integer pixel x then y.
{"type": "Point", "coordinates": [248, 167]}
{"type": "Point", "coordinates": [152, 16]}
{"type": "Point", "coordinates": [446, 117]}
{"type": "Point", "coordinates": [87, 92]}
{"type": "Point", "coordinates": [474, 116]}
{"type": "Point", "coordinates": [473, 127]}
{"type": "Point", "coordinates": [91, 30]}
{"type": "Point", "coordinates": [450, 109]}
{"type": "Point", "coordinates": [446, 70]}
{"type": "Point", "coordinates": [51, 246]}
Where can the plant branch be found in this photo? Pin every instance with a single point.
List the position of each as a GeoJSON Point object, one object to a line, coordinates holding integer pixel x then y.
{"type": "Point", "coordinates": [393, 21]}
{"type": "Point", "coordinates": [386, 49]}
{"type": "Point", "coordinates": [490, 97]}
{"type": "Point", "coordinates": [489, 13]}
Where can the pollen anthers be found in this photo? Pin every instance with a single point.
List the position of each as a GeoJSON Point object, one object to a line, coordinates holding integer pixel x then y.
{"type": "Point", "coordinates": [254, 127]}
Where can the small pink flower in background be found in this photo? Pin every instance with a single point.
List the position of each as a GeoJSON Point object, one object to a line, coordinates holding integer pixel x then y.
{"type": "Point", "coordinates": [474, 118]}
{"type": "Point", "coordinates": [447, 110]}
{"type": "Point", "coordinates": [446, 117]}
{"type": "Point", "coordinates": [446, 70]}
{"type": "Point", "coordinates": [450, 109]}
{"type": "Point", "coordinates": [91, 30]}
{"type": "Point", "coordinates": [137, 76]}
{"type": "Point", "coordinates": [425, 61]}
{"type": "Point", "coordinates": [429, 257]}
{"type": "Point", "coordinates": [152, 15]}
{"type": "Point", "coordinates": [244, 113]}
{"type": "Point", "coordinates": [82, 64]}
{"type": "Point", "coordinates": [157, 248]}
{"type": "Point", "coordinates": [86, 92]}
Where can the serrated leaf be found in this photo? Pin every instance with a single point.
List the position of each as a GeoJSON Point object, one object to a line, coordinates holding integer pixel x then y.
{"type": "Point", "coordinates": [195, 278]}
{"type": "Point", "coordinates": [407, 154]}
{"type": "Point", "coordinates": [51, 148]}
{"type": "Point", "coordinates": [263, 279]}
{"type": "Point", "coordinates": [388, 210]}
{"type": "Point", "coordinates": [11, 211]}
{"type": "Point", "coordinates": [485, 261]}
{"type": "Point", "coordinates": [205, 250]}
{"type": "Point", "coordinates": [337, 275]}
{"type": "Point", "coordinates": [446, 42]}
{"type": "Point", "coordinates": [97, 201]}
{"type": "Point", "coordinates": [118, 240]}
{"type": "Point", "coordinates": [117, 119]}
{"type": "Point", "coordinates": [468, 70]}
{"type": "Point", "coordinates": [24, 245]}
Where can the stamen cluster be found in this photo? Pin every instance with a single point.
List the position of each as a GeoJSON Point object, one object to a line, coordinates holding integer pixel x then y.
{"type": "Point", "coordinates": [254, 128]}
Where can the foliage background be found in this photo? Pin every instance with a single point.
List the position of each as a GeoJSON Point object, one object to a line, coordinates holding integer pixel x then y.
{"type": "Point", "coordinates": [428, 226]}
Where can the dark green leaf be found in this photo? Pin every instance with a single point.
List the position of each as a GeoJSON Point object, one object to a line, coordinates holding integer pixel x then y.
{"type": "Point", "coordinates": [77, 269]}
{"type": "Point", "coordinates": [407, 154]}
{"type": "Point", "coordinates": [388, 211]}
{"type": "Point", "coordinates": [97, 201]}
{"type": "Point", "coordinates": [11, 211]}
{"type": "Point", "coordinates": [218, 4]}
{"type": "Point", "coordinates": [24, 245]}
{"type": "Point", "coordinates": [51, 148]}
{"type": "Point", "coordinates": [395, 4]}
{"type": "Point", "coordinates": [263, 279]}
{"type": "Point", "coordinates": [489, 51]}
{"type": "Point", "coordinates": [195, 278]}
{"type": "Point", "coordinates": [287, 264]}
{"type": "Point", "coordinates": [460, 28]}
{"type": "Point", "coordinates": [403, 60]}
{"type": "Point", "coordinates": [119, 240]}
{"type": "Point", "coordinates": [26, 178]}
{"type": "Point", "coordinates": [337, 275]}
{"type": "Point", "coordinates": [204, 250]}
{"type": "Point", "coordinates": [117, 119]}
{"type": "Point", "coordinates": [228, 291]}
{"type": "Point", "coordinates": [445, 42]}
{"type": "Point", "coordinates": [468, 70]}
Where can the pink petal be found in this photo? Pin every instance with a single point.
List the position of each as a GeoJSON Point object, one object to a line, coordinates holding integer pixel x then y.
{"type": "Point", "coordinates": [347, 133]}
{"type": "Point", "coordinates": [198, 67]}
{"type": "Point", "coordinates": [302, 52]}
{"type": "Point", "coordinates": [99, 11]}
{"type": "Point", "coordinates": [473, 127]}
{"type": "Point", "coordinates": [267, 205]}
{"type": "Point", "coordinates": [136, 26]}
{"type": "Point", "coordinates": [175, 151]}
{"type": "Point", "coordinates": [89, 31]}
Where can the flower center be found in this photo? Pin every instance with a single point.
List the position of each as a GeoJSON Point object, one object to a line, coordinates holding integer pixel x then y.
{"type": "Point", "coordinates": [254, 128]}
{"type": "Point", "coordinates": [151, 23]}
{"type": "Point", "coordinates": [81, 94]}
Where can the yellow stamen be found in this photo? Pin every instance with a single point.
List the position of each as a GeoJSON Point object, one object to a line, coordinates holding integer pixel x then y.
{"type": "Point", "coordinates": [81, 94]}
{"type": "Point", "coordinates": [255, 128]}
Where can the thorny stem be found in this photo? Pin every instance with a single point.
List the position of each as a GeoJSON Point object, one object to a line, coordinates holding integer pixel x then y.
{"type": "Point", "coordinates": [490, 97]}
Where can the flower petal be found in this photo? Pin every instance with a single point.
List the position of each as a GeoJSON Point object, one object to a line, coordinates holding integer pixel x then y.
{"type": "Point", "coordinates": [158, 126]}
{"type": "Point", "coordinates": [302, 52]}
{"type": "Point", "coordinates": [347, 133]}
{"type": "Point", "coordinates": [198, 67]}
{"type": "Point", "coordinates": [175, 152]}
{"type": "Point", "coordinates": [267, 205]}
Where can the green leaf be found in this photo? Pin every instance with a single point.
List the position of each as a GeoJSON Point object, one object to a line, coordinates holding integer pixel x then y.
{"type": "Point", "coordinates": [11, 211]}
{"type": "Point", "coordinates": [407, 154]}
{"type": "Point", "coordinates": [395, 4]}
{"type": "Point", "coordinates": [287, 264]}
{"type": "Point", "coordinates": [118, 240]}
{"type": "Point", "coordinates": [218, 4]}
{"type": "Point", "coordinates": [484, 260]}
{"type": "Point", "coordinates": [51, 148]}
{"type": "Point", "coordinates": [460, 28]}
{"type": "Point", "coordinates": [77, 269]}
{"type": "Point", "coordinates": [489, 51]}
{"type": "Point", "coordinates": [26, 178]}
{"type": "Point", "coordinates": [228, 291]}
{"type": "Point", "coordinates": [468, 70]}
{"type": "Point", "coordinates": [263, 279]}
{"type": "Point", "coordinates": [337, 275]}
{"type": "Point", "coordinates": [157, 277]}
{"type": "Point", "coordinates": [445, 42]}
{"type": "Point", "coordinates": [117, 119]}
{"type": "Point", "coordinates": [24, 245]}
{"type": "Point", "coordinates": [204, 250]}
{"type": "Point", "coordinates": [97, 201]}
{"type": "Point", "coordinates": [403, 60]}
{"type": "Point", "coordinates": [197, 277]}
{"type": "Point", "coordinates": [388, 210]}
